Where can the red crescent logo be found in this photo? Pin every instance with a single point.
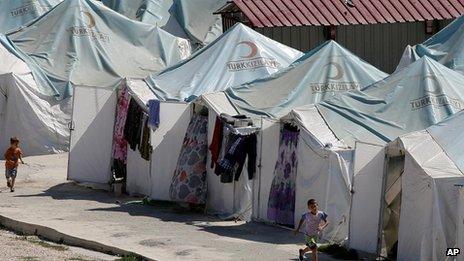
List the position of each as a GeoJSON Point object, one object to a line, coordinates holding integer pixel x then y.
{"type": "Point", "coordinates": [90, 21]}
{"type": "Point", "coordinates": [253, 49]}
{"type": "Point", "coordinates": [338, 68]}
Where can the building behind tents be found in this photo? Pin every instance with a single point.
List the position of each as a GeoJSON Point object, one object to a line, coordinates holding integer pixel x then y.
{"type": "Point", "coordinates": [377, 31]}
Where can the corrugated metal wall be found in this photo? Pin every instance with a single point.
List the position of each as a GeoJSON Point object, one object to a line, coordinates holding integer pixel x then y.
{"type": "Point", "coordinates": [380, 44]}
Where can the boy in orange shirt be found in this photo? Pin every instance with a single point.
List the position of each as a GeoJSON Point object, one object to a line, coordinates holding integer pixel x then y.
{"type": "Point", "coordinates": [12, 155]}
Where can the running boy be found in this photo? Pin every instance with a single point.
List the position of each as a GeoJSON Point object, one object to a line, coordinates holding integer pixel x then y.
{"type": "Point", "coordinates": [12, 155]}
{"type": "Point", "coordinates": [315, 222]}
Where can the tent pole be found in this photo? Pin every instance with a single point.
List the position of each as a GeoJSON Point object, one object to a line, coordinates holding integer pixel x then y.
{"type": "Point", "coordinates": [382, 204]}
{"type": "Point", "coordinates": [260, 167]}
{"type": "Point", "coordinates": [71, 126]}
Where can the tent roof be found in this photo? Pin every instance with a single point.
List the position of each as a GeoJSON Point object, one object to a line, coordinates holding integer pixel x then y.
{"type": "Point", "coordinates": [154, 12]}
{"type": "Point", "coordinates": [187, 19]}
{"type": "Point", "coordinates": [86, 43]}
{"type": "Point", "coordinates": [239, 55]}
{"type": "Point", "coordinates": [198, 20]}
{"type": "Point", "coordinates": [10, 63]}
{"type": "Point", "coordinates": [446, 47]}
{"type": "Point", "coordinates": [318, 75]}
{"type": "Point", "coordinates": [449, 135]}
{"type": "Point", "coordinates": [414, 98]}
{"type": "Point", "coordinates": [428, 154]}
{"type": "Point", "coordinates": [17, 13]}
{"type": "Point", "coordinates": [309, 118]}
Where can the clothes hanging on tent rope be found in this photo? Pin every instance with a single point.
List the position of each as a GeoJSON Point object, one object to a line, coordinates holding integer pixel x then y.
{"type": "Point", "coordinates": [218, 134]}
{"type": "Point", "coordinates": [225, 140]}
{"type": "Point", "coordinates": [133, 126]}
{"type": "Point", "coordinates": [281, 205]}
{"type": "Point", "coordinates": [119, 143]}
{"type": "Point", "coordinates": [154, 116]}
{"type": "Point", "coordinates": [238, 148]}
{"type": "Point", "coordinates": [216, 142]}
{"type": "Point", "coordinates": [189, 180]}
{"type": "Point", "coordinates": [145, 146]}
{"type": "Point", "coordinates": [241, 142]}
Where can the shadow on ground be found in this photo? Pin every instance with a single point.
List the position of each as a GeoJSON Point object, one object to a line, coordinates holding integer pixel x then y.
{"type": "Point", "coordinates": [251, 231]}
{"type": "Point", "coordinates": [73, 191]}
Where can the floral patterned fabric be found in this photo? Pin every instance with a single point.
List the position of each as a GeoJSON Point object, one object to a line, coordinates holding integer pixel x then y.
{"type": "Point", "coordinates": [189, 180]}
{"type": "Point", "coordinates": [119, 143]}
{"type": "Point", "coordinates": [281, 206]}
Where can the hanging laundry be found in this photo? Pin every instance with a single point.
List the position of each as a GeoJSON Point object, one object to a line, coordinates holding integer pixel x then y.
{"type": "Point", "coordinates": [281, 206]}
{"type": "Point", "coordinates": [225, 141]}
{"type": "Point", "coordinates": [145, 146]}
{"type": "Point", "coordinates": [189, 180]}
{"type": "Point", "coordinates": [119, 143]}
{"type": "Point", "coordinates": [237, 150]}
{"type": "Point", "coordinates": [154, 117]}
{"type": "Point", "coordinates": [132, 128]}
{"type": "Point", "coordinates": [215, 146]}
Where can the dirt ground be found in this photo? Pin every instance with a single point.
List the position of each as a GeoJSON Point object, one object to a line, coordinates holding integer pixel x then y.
{"type": "Point", "coordinates": [16, 247]}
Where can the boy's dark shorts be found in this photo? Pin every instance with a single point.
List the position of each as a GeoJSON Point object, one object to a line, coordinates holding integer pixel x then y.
{"type": "Point", "coordinates": [311, 241]}
{"type": "Point", "coordinates": [11, 173]}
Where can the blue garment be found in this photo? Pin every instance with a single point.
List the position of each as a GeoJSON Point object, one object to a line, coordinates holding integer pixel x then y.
{"type": "Point", "coordinates": [154, 117]}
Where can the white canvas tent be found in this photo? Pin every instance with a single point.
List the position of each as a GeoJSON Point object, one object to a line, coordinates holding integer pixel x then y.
{"type": "Point", "coordinates": [228, 199]}
{"type": "Point", "coordinates": [92, 64]}
{"type": "Point", "coordinates": [307, 81]}
{"type": "Point", "coordinates": [411, 99]}
{"type": "Point", "coordinates": [40, 121]}
{"type": "Point", "coordinates": [153, 178]}
{"type": "Point", "coordinates": [189, 79]}
{"type": "Point", "coordinates": [430, 218]}
{"type": "Point", "coordinates": [358, 120]}
{"type": "Point", "coordinates": [324, 172]}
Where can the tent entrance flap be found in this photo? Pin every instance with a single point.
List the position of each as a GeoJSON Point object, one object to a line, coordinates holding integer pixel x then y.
{"type": "Point", "coordinates": [391, 205]}
{"type": "Point", "coordinates": [364, 228]}
{"type": "Point", "coordinates": [90, 149]}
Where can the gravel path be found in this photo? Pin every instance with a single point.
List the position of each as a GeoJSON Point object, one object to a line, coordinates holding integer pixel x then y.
{"type": "Point", "coordinates": [15, 247]}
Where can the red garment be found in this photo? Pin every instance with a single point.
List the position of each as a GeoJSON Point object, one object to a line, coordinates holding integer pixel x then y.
{"type": "Point", "coordinates": [215, 146]}
{"type": "Point", "coordinates": [12, 157]}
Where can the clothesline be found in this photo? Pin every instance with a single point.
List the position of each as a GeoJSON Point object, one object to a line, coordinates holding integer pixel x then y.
{"type": "Point", "coordinates": [243, 130]}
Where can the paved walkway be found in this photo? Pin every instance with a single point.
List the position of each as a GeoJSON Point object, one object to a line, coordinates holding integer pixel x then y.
{"type": "Point", "coordinates": [45, 199]}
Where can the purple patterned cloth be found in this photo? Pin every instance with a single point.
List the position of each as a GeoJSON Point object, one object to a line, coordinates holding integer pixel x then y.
{"type": "Point", "coordinates": [119, 143]}
{"type": "Point", "coordinates": [281, 205]}
{"type": "Point", "coordinates": [189, 180]}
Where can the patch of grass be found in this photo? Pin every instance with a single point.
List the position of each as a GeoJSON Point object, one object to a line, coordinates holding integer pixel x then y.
{"type": "Point", "coordinates": [77, 259]}
{"type": "Point", "coordinates": [339, 252]}
{"type": "Point", "coordinates": [30, 258]}
{"type": "Point", "coordinates": [44, 244]}
{"type": "Point", "coordinates": [51, 246]}
{"type": "Point", "coordinates": [130, 257]}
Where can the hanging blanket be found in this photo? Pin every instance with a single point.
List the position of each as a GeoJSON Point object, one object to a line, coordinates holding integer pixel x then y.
{"type": "Point", "coordinates": [119, 143]}
{"type": "Point", "coordinates": [281, 206]}
{"type": "Point", "coordinates": [189, 180]}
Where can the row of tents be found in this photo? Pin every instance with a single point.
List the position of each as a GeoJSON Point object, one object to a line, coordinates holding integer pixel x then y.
{"type": "Point", "coordinates": [380, 152]}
